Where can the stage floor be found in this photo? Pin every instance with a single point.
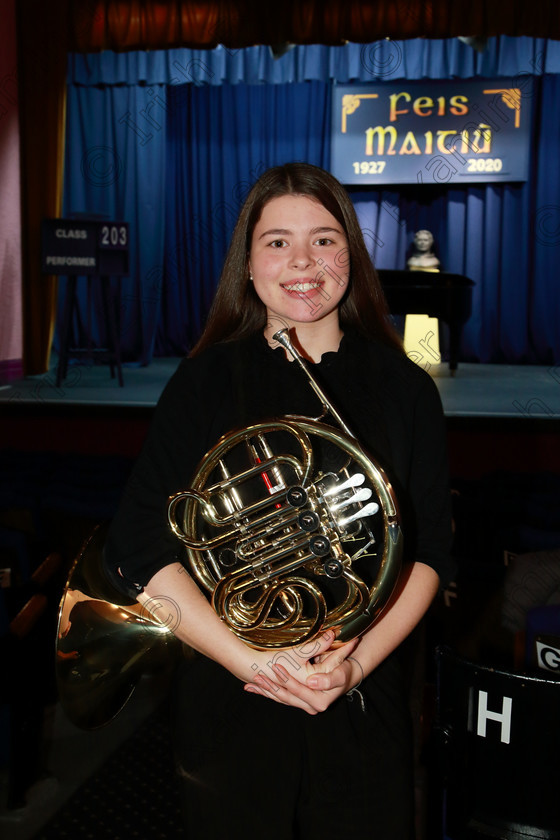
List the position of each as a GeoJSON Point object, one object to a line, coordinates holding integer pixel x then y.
{"type": "Point", "coordinates": [476, 390]}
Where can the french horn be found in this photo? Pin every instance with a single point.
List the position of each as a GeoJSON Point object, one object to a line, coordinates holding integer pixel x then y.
{"type": "Point", "coordinates": [289, 527]}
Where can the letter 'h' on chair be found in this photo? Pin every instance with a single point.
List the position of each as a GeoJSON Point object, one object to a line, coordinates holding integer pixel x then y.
{"type": "Point", "coordinates": [498, 745]}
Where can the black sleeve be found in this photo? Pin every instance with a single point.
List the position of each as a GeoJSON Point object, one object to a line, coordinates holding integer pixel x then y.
{"type": "Point", "coordinates": [140, 541]}
{"type": "Point", "coordinates": [429, 483]}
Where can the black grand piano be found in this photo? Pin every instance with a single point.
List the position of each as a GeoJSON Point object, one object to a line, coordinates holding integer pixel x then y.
{"type": "Point", "coordinates": [439, 294]}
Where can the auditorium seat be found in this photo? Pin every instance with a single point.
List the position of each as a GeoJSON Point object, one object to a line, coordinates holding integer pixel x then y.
{"type": "Point", "coordinates": [497, 739]}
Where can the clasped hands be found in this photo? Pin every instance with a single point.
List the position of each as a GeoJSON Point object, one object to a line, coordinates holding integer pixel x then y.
{"type": "Point", "coordinates": [309, 677]}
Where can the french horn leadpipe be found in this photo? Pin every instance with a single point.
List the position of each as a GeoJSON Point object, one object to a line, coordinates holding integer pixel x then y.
{"type": "Point", "coordinates": [285, 547]}
{"type": "Point", "coordinates": [283, 338]}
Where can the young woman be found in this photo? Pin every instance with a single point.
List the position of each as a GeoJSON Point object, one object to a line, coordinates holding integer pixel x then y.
{"type": "Point", "coordinates": [289, 750]}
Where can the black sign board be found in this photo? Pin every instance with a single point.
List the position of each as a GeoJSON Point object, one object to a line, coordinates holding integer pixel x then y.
{"type": "Point", "coordinates": [432, 131]}
{"type": "Point", "coordinates": [84, 247]}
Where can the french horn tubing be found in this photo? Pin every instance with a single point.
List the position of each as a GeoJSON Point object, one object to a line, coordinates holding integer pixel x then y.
{"type": "Point", "coordinates": [291, 528]}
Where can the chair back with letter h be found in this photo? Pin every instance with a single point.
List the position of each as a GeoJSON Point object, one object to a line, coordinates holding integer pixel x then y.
{"type": "Point", "coordinates": [498, 735]}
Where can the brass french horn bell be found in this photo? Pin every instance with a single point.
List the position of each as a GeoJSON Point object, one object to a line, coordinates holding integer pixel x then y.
{"type": "Point", "coordinates": [105, 642]}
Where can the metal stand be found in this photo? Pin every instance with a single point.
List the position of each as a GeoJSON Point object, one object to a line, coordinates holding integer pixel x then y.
{"type": "Point", "coordinates": [110, 306]}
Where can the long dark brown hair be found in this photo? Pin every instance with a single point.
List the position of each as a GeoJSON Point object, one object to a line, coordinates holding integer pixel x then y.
{"type": "Point", "coordinates": [237, 311]}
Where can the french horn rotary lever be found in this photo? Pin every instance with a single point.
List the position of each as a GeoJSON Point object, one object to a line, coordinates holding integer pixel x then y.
{"type": "Point", "coordinates": [291, 528]}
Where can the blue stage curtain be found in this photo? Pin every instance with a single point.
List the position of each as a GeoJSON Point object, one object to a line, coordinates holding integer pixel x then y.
{"type": "Point", "coordinates": [219, 140]}
{"type": "Point", "coordinates": [171, 141]}
{"type": "Point", "coordinates": [543, 300]}
{"type": "Point", "coordinates": [115, 171]}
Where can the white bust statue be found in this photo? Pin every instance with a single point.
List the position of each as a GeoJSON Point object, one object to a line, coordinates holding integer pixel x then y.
{"type": "Point", "coordinates": [423, 258]}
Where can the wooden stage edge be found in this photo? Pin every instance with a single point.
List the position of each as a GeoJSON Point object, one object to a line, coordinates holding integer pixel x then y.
{"type": "Point", "coordinates": [476, 445]}
{"type": "Point", "coordinates": [499, 417]}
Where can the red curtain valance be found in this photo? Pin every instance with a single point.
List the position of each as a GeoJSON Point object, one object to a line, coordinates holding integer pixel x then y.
{"type": "Point", "coordinates": [156, 24]}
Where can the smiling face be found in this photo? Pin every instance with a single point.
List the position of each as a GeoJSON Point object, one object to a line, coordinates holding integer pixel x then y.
{"type": "Point", "coordinates": [299, 260]}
